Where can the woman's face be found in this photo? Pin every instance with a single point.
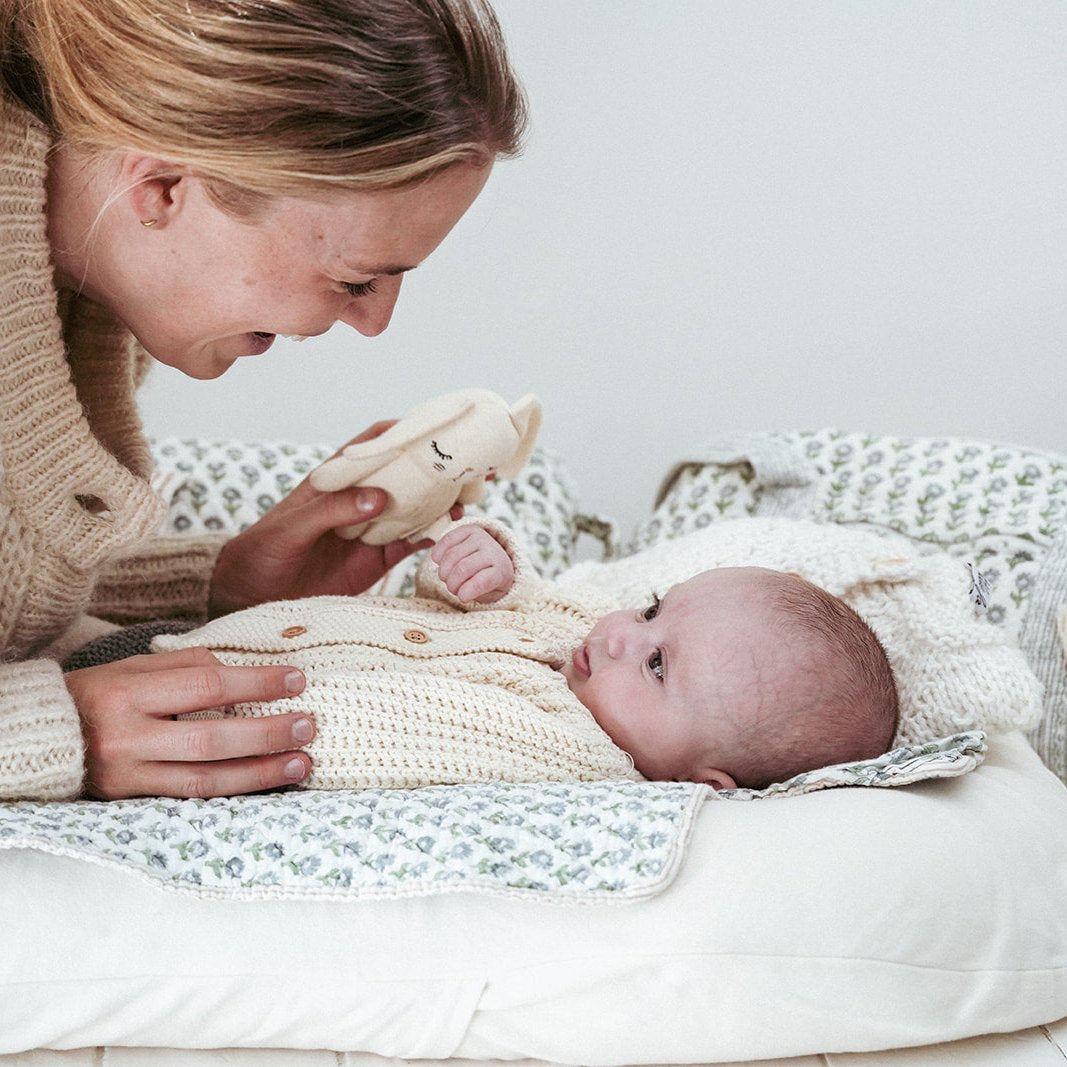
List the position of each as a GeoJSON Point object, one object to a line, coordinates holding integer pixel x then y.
{"type": "Point", "coordinates": [199, 288]}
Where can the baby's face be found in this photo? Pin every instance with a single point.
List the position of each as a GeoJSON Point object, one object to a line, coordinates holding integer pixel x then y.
{"type": "Point", "coordinates": [672, 682]}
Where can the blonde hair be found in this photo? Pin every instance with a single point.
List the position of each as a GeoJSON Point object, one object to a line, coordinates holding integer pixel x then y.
{"type": "Point", "coordinates": [270, 97]}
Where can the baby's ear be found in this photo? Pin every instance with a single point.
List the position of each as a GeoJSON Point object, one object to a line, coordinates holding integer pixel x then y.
{"type": "Point", "coordinates": [716, 779]}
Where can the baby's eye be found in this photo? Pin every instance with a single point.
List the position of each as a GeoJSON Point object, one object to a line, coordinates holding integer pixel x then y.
{"type": "Point", "coordinates": [652, 610]}
{"type": "Point", "coordinates": [443, 455]}
{"type": "Point", "coordinates": [655, 664]}
{"type": "Point", "coordinates": [359, 288]}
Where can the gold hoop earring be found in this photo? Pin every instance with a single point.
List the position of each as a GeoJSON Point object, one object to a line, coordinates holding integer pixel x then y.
{"type": "Point", "coordinates": [148, 223]}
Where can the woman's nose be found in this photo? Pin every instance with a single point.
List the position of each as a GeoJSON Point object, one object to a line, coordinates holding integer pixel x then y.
{"type": "Point", "coordinates": [370, 314]}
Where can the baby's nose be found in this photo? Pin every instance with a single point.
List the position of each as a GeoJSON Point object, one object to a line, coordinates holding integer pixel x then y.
{"type": "Point", "coordinates": [612, 642]}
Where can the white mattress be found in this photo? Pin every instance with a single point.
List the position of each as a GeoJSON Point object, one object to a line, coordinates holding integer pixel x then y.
{"type": "Point", "coordinates": [1044, 1046]}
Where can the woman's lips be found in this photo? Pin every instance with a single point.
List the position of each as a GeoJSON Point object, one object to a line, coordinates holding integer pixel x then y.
{"type": "Point", "coordinates": [580, 659]}
{"type": "Point", "coordinates": [258, 342]}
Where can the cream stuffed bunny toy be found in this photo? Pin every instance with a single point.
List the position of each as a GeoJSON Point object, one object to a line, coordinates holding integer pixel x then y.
{"type": "Point", "coordinates": [438, 455]}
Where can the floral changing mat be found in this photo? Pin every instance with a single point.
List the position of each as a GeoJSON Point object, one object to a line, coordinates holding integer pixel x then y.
{"type": "Point", "coordinates": [601, 841]}
{"type": "Point", "coordinates": [590, 842]}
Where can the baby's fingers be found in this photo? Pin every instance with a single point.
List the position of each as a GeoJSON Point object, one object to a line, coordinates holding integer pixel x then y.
{"type": "Point", "coordinates": [487, 586]}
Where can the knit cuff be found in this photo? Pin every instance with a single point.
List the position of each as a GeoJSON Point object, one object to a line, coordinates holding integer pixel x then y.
{"type": "Point", "coordinates": [42, 754]}
{"type": "Point", "coordinates": [166, 578]}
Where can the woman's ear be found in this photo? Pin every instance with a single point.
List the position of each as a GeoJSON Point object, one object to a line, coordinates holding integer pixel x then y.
{"type": "Point", "coordinates": [155, 188]}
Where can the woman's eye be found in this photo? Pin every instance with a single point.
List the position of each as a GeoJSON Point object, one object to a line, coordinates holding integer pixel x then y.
{"type": "Point", "coordinates": [359, 288]}
{"type": "Point", "coordinates": [655, 664]}
{"type": "Point", "coordinates": [652, 610]}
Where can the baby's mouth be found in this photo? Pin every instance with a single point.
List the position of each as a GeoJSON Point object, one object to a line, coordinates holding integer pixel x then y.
{"type": "Point", "coordinates": [580, 660]}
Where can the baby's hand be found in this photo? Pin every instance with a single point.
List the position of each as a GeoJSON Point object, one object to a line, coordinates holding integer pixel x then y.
{"type": "Point", "coordinates": [473, 565]}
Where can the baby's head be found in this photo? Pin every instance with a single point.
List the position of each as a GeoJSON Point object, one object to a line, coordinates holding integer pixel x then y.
{"type": "Point", "coordinates": [738, 677]}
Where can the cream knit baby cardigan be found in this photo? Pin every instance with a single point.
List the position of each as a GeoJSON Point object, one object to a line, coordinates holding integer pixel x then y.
{"type": "Point", "coordinates": [420, 691]}
{"type": "Point", "coordinates": [76, 506]}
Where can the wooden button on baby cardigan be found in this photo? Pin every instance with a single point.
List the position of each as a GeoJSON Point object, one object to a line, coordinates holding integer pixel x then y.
{"type": "Point", "coordinates": [294, 631]}
{"type": "Point", "coordinates": [416, 637]}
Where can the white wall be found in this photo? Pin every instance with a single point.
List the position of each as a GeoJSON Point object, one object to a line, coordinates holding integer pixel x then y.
{"type": "Point", "coordinates": [732, 215]}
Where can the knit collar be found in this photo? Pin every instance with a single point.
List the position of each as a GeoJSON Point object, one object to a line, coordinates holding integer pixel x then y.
{"type": "Point", "coordinates": [66, 448]}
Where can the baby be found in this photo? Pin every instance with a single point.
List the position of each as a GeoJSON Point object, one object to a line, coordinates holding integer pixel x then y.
{"type": "Point", "coordinates": [737, 677]}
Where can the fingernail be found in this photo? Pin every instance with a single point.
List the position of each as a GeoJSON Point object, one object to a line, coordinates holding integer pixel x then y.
{"type": "Point", "coordinates": [303, 730]}
{"type": "Point", "coordinates": [366, 501]}
{"type": "Point", "coordinates": [294, 682]}
{"type": "Point", "coordinates": [294, 770]}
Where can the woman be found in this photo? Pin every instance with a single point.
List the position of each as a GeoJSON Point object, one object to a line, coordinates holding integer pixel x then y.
{"type": "Point", "coordinates": [190, 178]}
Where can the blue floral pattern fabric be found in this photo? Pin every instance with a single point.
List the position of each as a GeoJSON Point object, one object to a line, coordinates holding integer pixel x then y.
{"type": "Point", "coordinates": [947, 757]}
{"type": "Point", "coordinates": [586, 842]}
{"type": "Point", "coordinates": [601, 841]}
{"type": "Point", "coordinates": [997, 506]}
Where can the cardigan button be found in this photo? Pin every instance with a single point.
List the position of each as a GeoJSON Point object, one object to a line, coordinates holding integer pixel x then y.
{"type": "Point", "coordinates": [416, 637]}
{"type": "Point", "coordinates": [294, 631]}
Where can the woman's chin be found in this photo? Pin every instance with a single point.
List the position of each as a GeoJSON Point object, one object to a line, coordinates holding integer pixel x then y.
{"type": "Point", "coordinates": [214, 358]}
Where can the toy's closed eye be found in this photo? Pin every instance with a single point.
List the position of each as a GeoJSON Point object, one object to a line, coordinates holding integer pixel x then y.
{"type": "Point", "coordinates": [443, 455]}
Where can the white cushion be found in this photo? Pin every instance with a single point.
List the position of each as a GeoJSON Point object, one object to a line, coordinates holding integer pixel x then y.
{"type": "Point", "coordinates": [847, 919]}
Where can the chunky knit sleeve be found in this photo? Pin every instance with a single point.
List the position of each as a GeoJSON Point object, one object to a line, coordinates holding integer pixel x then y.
{"type": "Point", "coordinates": [41, 750]}
{"type": "Point", "coordinates": [166, 578]}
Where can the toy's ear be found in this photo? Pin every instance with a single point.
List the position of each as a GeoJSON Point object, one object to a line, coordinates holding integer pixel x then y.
{"type": "Point", "coordinates": [344, 470]}
{"type": "Point", "coordinates": [421, 421]}
{"type": "Point", "coordinates": [358, 462]}
{"type": "Point", "coordinates": [526, 418]}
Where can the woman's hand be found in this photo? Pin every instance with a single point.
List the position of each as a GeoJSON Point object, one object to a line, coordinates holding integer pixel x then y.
{"type": "Point", "coordinates": [473, 565]}
{"type": "Point", "coordinates": [292, 551]}
{"type": "Point", "coordinates": [133, 747]}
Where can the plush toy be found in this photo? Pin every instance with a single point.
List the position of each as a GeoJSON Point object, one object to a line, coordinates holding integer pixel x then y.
{"type": "Point", "coordinates": [437, 455]}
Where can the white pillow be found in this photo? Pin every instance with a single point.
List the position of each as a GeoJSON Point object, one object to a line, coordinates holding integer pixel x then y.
{"type": "Point", "coordinates": [847, 919]}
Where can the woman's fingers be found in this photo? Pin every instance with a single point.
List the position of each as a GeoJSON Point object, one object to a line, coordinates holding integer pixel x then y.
{"type": "Point", "coordinates": [221, 779]}
{"type": "Point", "coordinates": [208, 740]}
{"type": "Point", "coordinates": [309, 514]}
{"type": "Point", "coordinates": [203, 687]}
{"type": "Point", "coordinates": [154, 661]}
{"type": "Point", "coordinates": [133, 747]}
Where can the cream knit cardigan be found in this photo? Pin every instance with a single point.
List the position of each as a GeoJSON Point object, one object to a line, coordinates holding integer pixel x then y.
{"type": "Point", "coordinates": [420, 691]}
{"type": "Point", "coordinates": [76, 507]}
